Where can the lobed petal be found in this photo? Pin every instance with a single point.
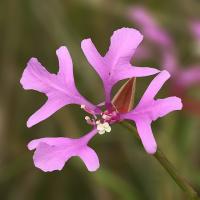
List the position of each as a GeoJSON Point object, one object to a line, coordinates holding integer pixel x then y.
{"type": "Point", "coordinates": [90, 158]}
{"type": "Point", "coordinates": [146, 135]}
{"type": "Point", "coordinates": [149, 110]}
{"type": "Point", "coordinates": [50, 158]}
{"type": "Point", "coordinates": [154, 87]}
{"type": "Point", "coordinates": [94, 58]}
{"type": "Point", "coordinates": [123, 45]}
{"type": "Point", "coordinates": [52, 153]}
{"type": "Point", "coordinates": [156, 108]}
{"type": "Point", "coordinates": [115, 65]}
{"type": "Point", "coordinates": [124, 72]}
{"type": "Point", "coordinates": [50, 141]}
{"type": "Point", "coordinates": [59, 88]}
{"type": "Point", "coordinates": [65, 65]}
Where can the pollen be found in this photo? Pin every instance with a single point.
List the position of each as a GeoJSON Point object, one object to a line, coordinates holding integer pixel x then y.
{"type": "Point", "coordinates": [87, 118]}
{"type": "Point", "coordinates": [103, 127]}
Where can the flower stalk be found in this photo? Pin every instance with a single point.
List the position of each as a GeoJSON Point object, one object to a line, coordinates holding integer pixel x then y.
{"type": "Point", "coordinates": [190, 192]}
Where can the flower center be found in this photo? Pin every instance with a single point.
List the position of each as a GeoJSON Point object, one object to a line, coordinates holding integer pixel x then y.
{"type": "Point", "coordinates": [102, 121]}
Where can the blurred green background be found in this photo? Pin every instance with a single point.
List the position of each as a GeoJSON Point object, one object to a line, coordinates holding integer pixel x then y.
{"type": "Point", "coordinates": [37, 28]}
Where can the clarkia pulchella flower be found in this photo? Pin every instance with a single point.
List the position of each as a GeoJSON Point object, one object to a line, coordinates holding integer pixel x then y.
{"type": "Point", "coordinates": [52, 153]}
{"type": "Point", "coordinates": [182, 77]}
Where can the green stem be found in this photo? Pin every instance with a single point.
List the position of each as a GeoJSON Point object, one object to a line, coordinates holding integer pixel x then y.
{"type": "Point", "coordinates": [167, 165]}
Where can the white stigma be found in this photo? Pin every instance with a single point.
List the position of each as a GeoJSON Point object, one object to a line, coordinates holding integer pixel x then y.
{"type": "Point", "coordinates": [103, 127]}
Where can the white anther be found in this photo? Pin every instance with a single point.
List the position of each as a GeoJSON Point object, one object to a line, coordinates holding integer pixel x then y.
{"type": "Point", "coordinates": [97, 122]}
{"type": "Point", "coordinates": [83, 106]}
{"type": "Point", "coordinates": [106, 124]}
{"type": "Point", "coordinates": [87, 118]}
{"type": "Point", "coordinates": [102, 132]}
{"type": "Point", "coordinates": [102, 128]}
{"type": "Point", "coordinates": [108, 129]}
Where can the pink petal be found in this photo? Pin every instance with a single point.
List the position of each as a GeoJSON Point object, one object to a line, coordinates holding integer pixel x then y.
{"type": "Point", "coordinates": [49, 108]}
{"type": "Point", "coordinates": [149, 110]}
{"type": "Point", "coordinates": [50, 158]}
{"type": "Point", "coordinates": [124, 72]}
{"type": "Point", "coordinates": [146, 135]}
{"type": "Point", "coordinates": [52, 153]}
{"type": "Point", "coordinates": [50, 141]}
{"type": "Point", "coordinates": [94, 58]}
{"type": "Point", "coordinates": [144, 115]}
{"type": "Point", "coordinates": [60, 89]}
{"type": "Point", "coordinates": [157, 108]}
{"type": "Point", "coordinates": [123, 44]}
{"type": "Point", "coordinates": [154, 87]}
{"type": "Point", "coordinates": [90, 158]}
{"type": "Point", "coordinates": [115, 65]}
{"type": "Point", "coordinates": [162, 107]}
{"type": "Point", "coordinates": [65, 65]}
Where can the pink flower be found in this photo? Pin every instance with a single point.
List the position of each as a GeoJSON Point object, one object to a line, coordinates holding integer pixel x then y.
{"type": "Point", "coordinates": [149, 27]}
{"type": "Point", "coordinates": [52, 153]}
{"type": "Point", "coordinates": [182, 78]}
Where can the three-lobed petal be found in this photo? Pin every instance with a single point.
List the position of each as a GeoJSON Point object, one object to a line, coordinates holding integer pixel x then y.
{"type": "Point", "coordinates": [115, 65]}
{"type": "Point", "coordinates": [59, 88]}
{"type": "Point", "coordinates": [52, 153]}
{"type": "Point", "coordinates": [149, 110]}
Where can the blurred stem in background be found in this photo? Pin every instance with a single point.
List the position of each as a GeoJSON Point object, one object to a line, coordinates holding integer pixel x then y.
{"type": "Point", "coordinates": [167, 165]}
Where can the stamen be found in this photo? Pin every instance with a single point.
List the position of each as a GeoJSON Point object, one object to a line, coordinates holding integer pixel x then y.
{"type": "Point", "coordinates": [103, 127]}
{"type": "Point", "coordinates": [87, 109]}
{"type": "Point", "coordinates": [87, 118]}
